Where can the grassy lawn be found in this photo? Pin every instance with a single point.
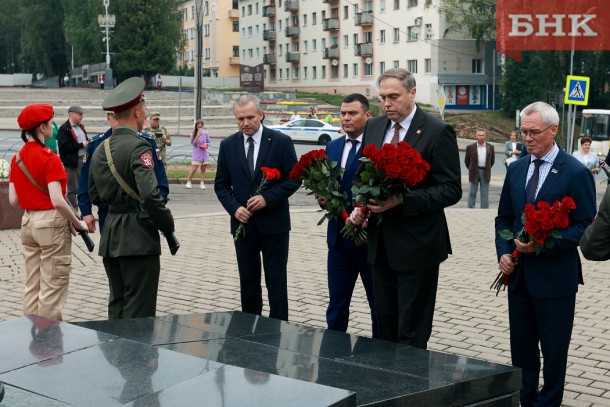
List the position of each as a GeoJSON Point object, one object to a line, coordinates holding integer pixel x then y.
{"type": "Point", "coordinates": [176, 171]}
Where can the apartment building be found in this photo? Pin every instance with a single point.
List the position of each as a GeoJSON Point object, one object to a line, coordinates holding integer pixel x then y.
{"type": "Point", "coordinates": [341, 46]}
{"type": "Point", "coordinates": [220, 34]}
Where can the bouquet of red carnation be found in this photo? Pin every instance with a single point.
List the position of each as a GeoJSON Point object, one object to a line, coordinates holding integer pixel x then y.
{"type": "Point", "coordinates": [268, 175]}
{"type": "Point", "coordinates": [538, 225]}
{"type": "Point", "coordinates": [388, 171]}
{"type": "Point", "coordinates": [321, 177]}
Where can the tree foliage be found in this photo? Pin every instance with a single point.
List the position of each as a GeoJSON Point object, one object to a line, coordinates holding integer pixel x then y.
{"type": "Point", "coordinates": [10, 28]}
{"type": "Point", "coordinates": [82, 32]}
{"type": "Point", "coordinates": [474, 18]}
{"type": "Point", "coordinates": [42, 42]}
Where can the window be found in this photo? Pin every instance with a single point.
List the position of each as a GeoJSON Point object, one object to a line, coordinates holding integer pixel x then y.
{"type": "Point", "coordinates": [250, 53]}
{"type": "Point", "coordinates": [243, 11]}
{"type": "Point", "coordinates": [206, 9]}
{"type": "Point", "coordinates": [345, 12]}
{"type": "Point", "coordinates": [193, 12]}
{"type": "Point", "coordinates": [295, 21]}
{"type": "Point", "coordinates": [412, 3]}
{"type": "Point", "coordinates": [395, 64]}
{"type": "Point", "coordinates": [368, 37]}
{"type": "Point", "coordinates": [355, 69]}
{"type": "Point", "coordinates": [295, 72]}
{"type": "Point", "coordinates": [382, 36]}
{"type": "Point", "coordinates": [412, 32]}
{"type": "Point", "coordinates": [243, 32]}
{"type": "Point", "coordinates": [323, 14]}
{"type": "Point", "coordinates": [249, 9]}
{"type": "Point", "coordinates": [250, 31]}
{"type": "Point", "coordinates": [314, 72]}
{"type": "Point", "coordinates": [368, 69]}
{"type": "Point", "coordinates": [382, 67]}
{"type": "Point", "coordinates": [305, 49]}
{"type": "Point", "coordinates": [355, 39]}
{"type": "Point", "coordinates": [257, 32]}
{"type": "Point", "coordinates": [477, 66]}
{"type": "Point", "coordinates": [334, 41]}
{"type": "Point", "coordinates": [280, 25]}
{"type": "Point", "coordinates": [345, 41]}
{"type": "Point", "coordinates": [314, 45]}
{"type": "Point", "coordinates": [272, 74]}
{"type": "Point", "coordinates": [334, 71]}
{"type": "Point", "coordinates": [305, 72]}
{"type": "Point", "coordinates": [396, 4]}
{"type": "Point", "coordinates": [428, 65]}
{"type": "Point", "coordinates": [280, 71]}
{"type": "Point", "coordinates": [258, 55]}
{"type": "Point", "coordinates": [396, 35]}
{"type": "Point", "coordinates": [208, 52]}
{"type": "Point", "coordinates": [235, 26]}
{"type": "Point", "coordinates": [280, 54]}
{"type": "Point", "coordinates": [235, 50]}
{"type": "Point", "coordinates": [256, 8]}
{"type": "Point", "coordinates": [382, 5]}
{"type": "Point", "coordinates": [304, 20]}
{"type": "Point", "coordinates": [314, 20]}
{"type": "Point", "coordinates": [295, 47]}
{"type": "Point", "coordinates": [345, 70]}
{"type": "Point", "coordinates": [323, 43]}
{"type": "Point", "coordinates": [206, 30]}
{"type": "Point", "coordinates": [412, 65]}
{"type": "Point", "coordinates": [287, 73]}
{"type": "Point", "coordinates": [323, 72]}
{"type": "Point", "coordinates": [428, 31]}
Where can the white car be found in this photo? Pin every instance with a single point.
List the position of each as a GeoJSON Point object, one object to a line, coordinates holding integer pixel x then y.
{"type": "Point", "coordinates": [309, 130]}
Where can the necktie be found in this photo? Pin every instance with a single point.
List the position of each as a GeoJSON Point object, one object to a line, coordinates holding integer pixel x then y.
{"type": "Point", "coordinates": [250, 155]}
{"type": "Point", "coordinates": [352, 153]}
{"type": "Point", "coordinates": [396, 137]}
{"type": "Point", "coordinates": [532, 184]}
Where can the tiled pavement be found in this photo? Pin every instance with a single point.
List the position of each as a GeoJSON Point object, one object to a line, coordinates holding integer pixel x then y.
{"type": "Point", "coordinates": [470, 320]}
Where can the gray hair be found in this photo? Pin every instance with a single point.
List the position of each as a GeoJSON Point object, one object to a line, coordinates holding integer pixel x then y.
{"type": "Point", "coordinates": [406, 78]}
{"type": "Point", "coordinates": [247, 98]}
{"type": "Point", "coordinates": [547, 112]}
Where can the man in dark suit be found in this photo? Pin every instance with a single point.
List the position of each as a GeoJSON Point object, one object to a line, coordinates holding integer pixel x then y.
{"type": "Point", "coordinates": [411, 239]}
{"type": "Point", "coordinates": [479, 159]}
{"type": "Point", "coordinates": [346, 260]}
{"type": "Point", "coordinates": [72, 142]}
{"type": "Point", "coordinates": [266, 216]}
{"type": "Point", "coordinates": [512, 149]}
{"type": "Point", "coordinates": [542, 288]}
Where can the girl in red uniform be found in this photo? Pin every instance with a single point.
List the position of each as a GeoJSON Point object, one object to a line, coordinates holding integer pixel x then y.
{"type": "Point", "coordinates": [45, 226]}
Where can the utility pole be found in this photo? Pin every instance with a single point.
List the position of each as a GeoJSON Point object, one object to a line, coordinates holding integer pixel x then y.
{"type": "Point", "coordinates": [107, 21]}
{"type": "Point", "coordinates": [198, 58]}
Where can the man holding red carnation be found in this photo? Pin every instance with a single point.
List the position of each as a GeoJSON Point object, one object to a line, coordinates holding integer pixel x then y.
{"type": "Point", "coordinates": [542, 287]}
{"type": "Point", "coordinates": [407, 241]}
{"type": "Point", "coordinates": [241, 163]}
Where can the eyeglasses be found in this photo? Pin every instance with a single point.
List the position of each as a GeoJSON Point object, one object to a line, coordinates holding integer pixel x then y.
{"type": "Point", "coordinates": [532, 133]}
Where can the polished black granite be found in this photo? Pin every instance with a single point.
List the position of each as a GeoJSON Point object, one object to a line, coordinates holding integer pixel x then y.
{"type": "Point", "coordinates": [379, 372]}
{"type": "Point", "coordinates": [53, 363]}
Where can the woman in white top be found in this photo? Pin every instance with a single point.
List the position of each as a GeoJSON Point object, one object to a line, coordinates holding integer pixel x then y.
{"type": "Point", "coordinates": [586, 157]}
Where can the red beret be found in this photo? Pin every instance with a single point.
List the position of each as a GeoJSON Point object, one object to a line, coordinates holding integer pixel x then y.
{"type": "Point", "coordinates": [35, 114]}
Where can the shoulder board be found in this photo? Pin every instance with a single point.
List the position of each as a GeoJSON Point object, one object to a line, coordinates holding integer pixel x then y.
{"type": "Point", "coordinates": [146, 136]}
{"type": "Point", "coordinates": [96, 137]}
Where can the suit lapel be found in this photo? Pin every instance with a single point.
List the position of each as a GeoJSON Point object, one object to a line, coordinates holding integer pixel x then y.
{"type": "Point", "coordinates": [415, 130]}
{"type": "Point", "coordinates": [552, 177]}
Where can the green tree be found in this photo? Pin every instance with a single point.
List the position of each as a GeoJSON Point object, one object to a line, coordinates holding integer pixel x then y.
{"type": "Point", "coordinates": [10, 34]}
{"type": "Point", "coordinates": [82, 32]}
{"type": "Point", "coordinates": [474, 18]}
{"type": "Point", "coordinates": [147, 37]}
{"type": "Point", "coordinates": [42, 41]}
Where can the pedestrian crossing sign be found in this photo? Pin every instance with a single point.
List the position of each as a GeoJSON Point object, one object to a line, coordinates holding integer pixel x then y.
{"type": "Point", "coordinates": [577, 90]}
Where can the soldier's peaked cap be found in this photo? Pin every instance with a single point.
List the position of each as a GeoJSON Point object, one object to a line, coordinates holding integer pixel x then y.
{"type": "Point", "coordinates": [125, 96]}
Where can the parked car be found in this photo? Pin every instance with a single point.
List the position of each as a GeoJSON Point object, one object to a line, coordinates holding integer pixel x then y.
{"type": "Point", "coordinates": [309, 130]}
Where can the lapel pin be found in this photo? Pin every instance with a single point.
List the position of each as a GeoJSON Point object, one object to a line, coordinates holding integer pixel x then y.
{"type": "Point", "coordinates": [554, 170]}
{"type": "Point", "coordinates": [418, 132]}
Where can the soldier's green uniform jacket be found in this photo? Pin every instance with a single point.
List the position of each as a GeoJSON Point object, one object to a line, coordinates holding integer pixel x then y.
{"type": "Point", "coordinates": [129, 232]}
{"type": "Point", "coordinates": [160, 144]}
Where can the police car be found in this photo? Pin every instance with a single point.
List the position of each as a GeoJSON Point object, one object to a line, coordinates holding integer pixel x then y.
{"type": "Point", "coordinates": [309, 130]}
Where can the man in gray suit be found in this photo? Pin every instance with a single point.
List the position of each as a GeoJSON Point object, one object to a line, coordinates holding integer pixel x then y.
{"type": "Point", "coordinates": [411, 239]}
{"type": "Point", "coordinates": [479, 159]}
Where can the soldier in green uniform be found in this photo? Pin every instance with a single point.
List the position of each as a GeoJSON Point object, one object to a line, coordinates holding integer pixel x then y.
{"type": "Point", "coordinates": [161, 136]}
{"type": "Point", "coordinates": [122, 176]}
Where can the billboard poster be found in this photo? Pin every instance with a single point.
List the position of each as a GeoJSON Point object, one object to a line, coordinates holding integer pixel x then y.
{"type": "Point", "coordinates": [251, 78]}
{"type": "Point", "coordinates": [450, 92]}
{"type": "Point", "coordinates": [462, 94]}
{"type": "Point", "coordinates": [474, 95]}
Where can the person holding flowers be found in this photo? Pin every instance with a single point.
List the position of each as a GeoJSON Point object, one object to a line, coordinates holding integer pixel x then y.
{"type": "Point", "coordinates": [408, 236]}
{"type": "Point", "coordinates": [542, 278]}
{"type": "Point", "coordinates": [346, 259]}
{"type": "Point", "coordinates": [263, 211]}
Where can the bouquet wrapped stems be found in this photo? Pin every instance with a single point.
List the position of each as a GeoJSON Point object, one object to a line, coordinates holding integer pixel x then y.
{"type": "Point", "coordinates": [353, 231]}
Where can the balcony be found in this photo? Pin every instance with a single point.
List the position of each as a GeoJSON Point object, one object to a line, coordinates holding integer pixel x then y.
{"type": "Point", "coordinates": [233, 13]}
{"type": "Point", "coordinates": [293, 57]}
{"type": "Point", "coordinates": [363, 19]}
{"type": "Point", "coordinates": [331, 53]}
{"type": "Point", "coordinates": [330, 1]}
{"type": "Point", "coordinates": [269, 59]}
{"type": "Point", "coordinates": [329, 24]}
{"type": "Point", "coordinates": [292, 31]}
{"type": "Point", "coordinates": [234, 60]}
{"type": "Point", "coordinates": [364, 49]}
{"type": "Point", "coordinates": [269, 35]}
{"type": "Point", "coordinates": [291, 5]}
{"type": "Point", "coordinates": [269, 11]}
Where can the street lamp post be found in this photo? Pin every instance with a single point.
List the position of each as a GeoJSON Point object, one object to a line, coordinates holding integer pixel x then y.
{"type": "Point", "coordinates": [107, 21]}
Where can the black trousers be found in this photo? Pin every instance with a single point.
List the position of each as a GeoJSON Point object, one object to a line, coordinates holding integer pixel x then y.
{"type": "Point", "coordinates": [274, 250]}
{"type": "Point", "coordinates": [540, 325]}
{"type": "Point", "coordinates": [404, 301]}
{"type": "Point", "coordinates": [133, 283]}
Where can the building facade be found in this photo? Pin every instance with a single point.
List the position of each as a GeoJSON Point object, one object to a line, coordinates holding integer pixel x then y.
{"type": "Point", "coordinates": [220, 36]}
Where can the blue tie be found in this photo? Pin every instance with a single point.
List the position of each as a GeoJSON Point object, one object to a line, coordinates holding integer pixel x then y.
{"type": "Point", "coordinates": [532, 184]}
{"type": "Point", "coordinates": [351, 155]}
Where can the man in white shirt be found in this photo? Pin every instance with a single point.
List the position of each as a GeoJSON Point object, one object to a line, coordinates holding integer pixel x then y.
{"type": "Point", "coordinates": [479, 159]}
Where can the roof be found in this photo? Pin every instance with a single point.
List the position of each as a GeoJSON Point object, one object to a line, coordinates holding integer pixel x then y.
{"type": "Point", "coordinates": [464, 79]}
